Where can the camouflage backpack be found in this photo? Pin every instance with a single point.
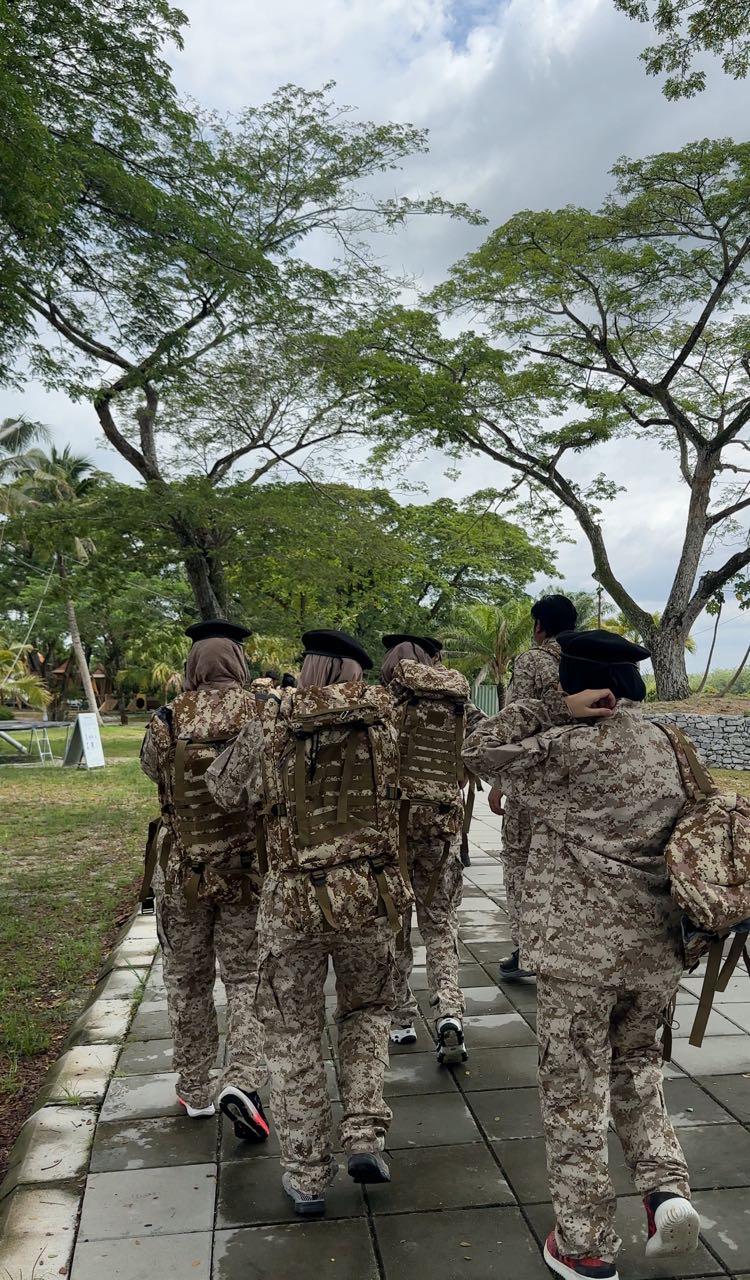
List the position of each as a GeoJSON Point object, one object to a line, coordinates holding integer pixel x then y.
{"type": "Point", "coordinates": [431, 715]}
{"type": "Point", "coordinates": [218, 848]}
{"type": "Point", "coordinates": [330, 772]}
{"type": "Point", "coordinates": [708, 858]}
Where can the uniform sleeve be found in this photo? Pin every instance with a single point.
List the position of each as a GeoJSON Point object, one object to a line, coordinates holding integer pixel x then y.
{"type": "Point", "coordinates": [155, 747]}
{"type": "Point", "coordinates": [474, 717]}
{"type": "Point", "coordinates": [535, 675]}
{"type": "Point", "coordinates": [512, 750]}
{"type": "Point", "coordinates": [235, 778]}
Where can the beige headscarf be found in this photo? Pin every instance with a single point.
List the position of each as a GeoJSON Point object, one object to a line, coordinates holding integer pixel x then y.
{"type": "Point", "coordinates": [406, 649]}
{"type": "Point", "coordinates": [319, 670]}
{"type": "Point", "coordinates": [216, 662]}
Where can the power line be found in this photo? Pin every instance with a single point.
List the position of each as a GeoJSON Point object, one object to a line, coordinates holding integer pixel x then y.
{"type": "Point", "coordinates": [24, 642]}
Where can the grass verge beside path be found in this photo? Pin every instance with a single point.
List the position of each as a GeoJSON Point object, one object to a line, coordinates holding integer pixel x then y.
{"type": "Point", "coordinates": [71, 844]}
{"type": "Point", "coordinates": [733, 780]}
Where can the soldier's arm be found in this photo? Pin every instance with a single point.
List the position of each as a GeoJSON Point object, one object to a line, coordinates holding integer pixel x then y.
{"type": "Point", "coordinates": [510, 744]}
{"type": "Point", "coordinates": [474, 717]}
{"type": "Point", "coordinates": [156, 743]}
{"type": "Point", "coordinates": [235, 778]}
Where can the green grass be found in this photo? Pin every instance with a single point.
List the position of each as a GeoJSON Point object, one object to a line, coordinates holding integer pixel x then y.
{"type": "Point", "coordinates": [71, 845]}
{"type": "Point", "coordinates": [733, 780]}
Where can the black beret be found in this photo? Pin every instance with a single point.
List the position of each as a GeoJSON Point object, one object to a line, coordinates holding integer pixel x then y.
{"type": "Point", "coordinates": [217, 627]}
{"type": "Point", "coordinates": [604, 647]}
{"type": "Point", "coordinates": [390, 641]}
{"type": "Point", "coordinates": [432, 645]}
{"type": "Point", "coordinates": [336, 644]}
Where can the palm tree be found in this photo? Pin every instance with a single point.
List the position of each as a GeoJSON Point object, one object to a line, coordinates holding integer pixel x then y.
{"type": "Point", "coordinates": [17, 436]}
{"type": "Point", "coordinates": [16, 682]}
{"type": "Point", "coordinates": [483, 640]}
{"type": "Point", "coordinates": [55, 479]}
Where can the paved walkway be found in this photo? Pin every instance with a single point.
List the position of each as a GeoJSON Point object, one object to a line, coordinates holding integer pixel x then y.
{"type": "Point", "coordinates": [170, 1199]}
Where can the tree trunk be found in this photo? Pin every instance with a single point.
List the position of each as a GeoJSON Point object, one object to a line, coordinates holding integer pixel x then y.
{"type": "Point", "coordinates": [500, 695]}
{"type": "Point", "coordinates": [668, 658]}
{"type": "Point", "coordinates": [707, 672]}
{"type": "Point", "coordinates": [75, 636]}
{"type": "Point", "coordinates": [204, 571]}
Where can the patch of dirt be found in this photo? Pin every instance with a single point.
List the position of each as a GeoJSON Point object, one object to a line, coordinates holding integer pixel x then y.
{"type": "Point", "coordinates": [704, 704]}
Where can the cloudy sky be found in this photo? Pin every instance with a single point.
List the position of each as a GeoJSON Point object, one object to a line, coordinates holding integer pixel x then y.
{"type": "Point", "coordinates": [528, 102]}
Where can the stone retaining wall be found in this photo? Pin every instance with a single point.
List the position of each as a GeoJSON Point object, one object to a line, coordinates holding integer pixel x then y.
{"type": "Point", "coordinates": [723, 741]}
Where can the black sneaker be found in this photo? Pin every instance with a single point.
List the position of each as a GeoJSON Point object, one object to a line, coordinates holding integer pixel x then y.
{"type": "Point", "coordinates": [576, 1268]}
{"type": "Point", "coordinates": [368, 1166]}
{"type": "Point", "coordinates": [451, 1049]}
{"type": "Point", "coordinates": [510, 968]}
{"type": "Point", "coordinates": [245, 1110]}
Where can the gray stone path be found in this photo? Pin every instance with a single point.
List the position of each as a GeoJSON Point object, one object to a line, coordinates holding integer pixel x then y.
{"type": "Point", "coordinates": [167, 1198]}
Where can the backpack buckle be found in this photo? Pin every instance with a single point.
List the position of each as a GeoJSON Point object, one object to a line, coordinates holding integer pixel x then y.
{"type": "Point", "coordinates": [318, 878]}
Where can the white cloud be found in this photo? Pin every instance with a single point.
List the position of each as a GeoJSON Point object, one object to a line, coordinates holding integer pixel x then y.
{"type": "Point", "coordinates": [528, 103]}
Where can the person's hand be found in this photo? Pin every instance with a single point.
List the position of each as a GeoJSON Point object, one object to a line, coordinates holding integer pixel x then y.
{"type": "Point", "coordinates": [591, 703]}
{"type": "Point", "coordinates": [495, 799]}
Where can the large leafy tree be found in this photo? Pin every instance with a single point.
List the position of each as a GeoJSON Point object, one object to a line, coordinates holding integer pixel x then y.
{"type": "Point", "coordinates": [623, 321]}
{"type": "Point", "coordinates": [686, 30]}
{"type": "Point", "coordinates": [87, 102]}
{"type": "Point", "coordinates": [208, 274]}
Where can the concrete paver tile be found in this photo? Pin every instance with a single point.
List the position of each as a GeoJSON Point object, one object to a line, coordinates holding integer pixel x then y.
{"type": "Point", "coordinates": [722, 1055]}
{"type": "Point", "coordinates": [733, 1092]}
{"type": "Point", "coordinates": [497, 1030]}
{"type": "Point", "coordinates": [487, 1069]}
{"type": "Point", "coordinates": [157, 1143]}
{"type": "Point", "coordinates": [525, 1166]}
{"type": "Point", "coordinates": [738, 1013]}
{"type": "Point", "coordinates": [413, 1073]}
{"type": "Point", "coordinates": [480, 1000]}
{"type": "Point", "coordinates": [103, 1022]}
{"type": "Point", "coordinates": [508, 1113]}
{"type": "Point", "coordinates": [689, 1105]}
{"type": "Point", "coordinates": [151, 1026]}
{"type": "Point", "coordinates": [53, 1146]}
{"type": "Point", "coordinates": [175, 1257]}
{"type": "Point", "coordinates": [37, 1230]}
{"type": "Point", "coordinates": [337, 1250]}
{"type": "Point", "coordinates": [725, 1225]}
{"type": "Point", "coordinates": [459, 1177]}
{"type": "Point", "coordinates": [251, 1194]}
{"type": "Point", "coordinates": [148, 1202]}
{"type": "Point", "coordinates": [472, 1244]}
{"type": "Point", "coordinates": [737, 992]}
{"type": "Point", "coordinates": [717, 1155]}
{"type": "Point", "coordinates": [121, 984]}
{"type": "Point", "coordinates": [139, 1097]}
{"type": "Point", "coordinates": [80, 1075]}
{"type": "Point", "coordinates": [432, 1120]}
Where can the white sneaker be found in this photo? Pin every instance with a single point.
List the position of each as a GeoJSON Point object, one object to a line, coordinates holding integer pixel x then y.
{"type": "Point", "coordinates": [403, 1035]}
{"type": "Point", "coordinates": [197, 1113]}
{"type": "Point", "coordinates": [451, 1050]}
{"type": "Point", "coordinates": [673, 1225]}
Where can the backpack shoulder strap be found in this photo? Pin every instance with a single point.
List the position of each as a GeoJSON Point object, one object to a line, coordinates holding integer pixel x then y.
{"type": "Point", "coordinates": [698, 772]}
{"type": "Point", "coordinates": [708, 991]}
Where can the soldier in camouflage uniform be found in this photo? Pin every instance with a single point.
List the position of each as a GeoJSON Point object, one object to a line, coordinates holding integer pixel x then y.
{"type": "Point", "coordinates": [535, 674]}
{"type": "Point", "coordinates": [436, 873]}
{"type": "Point", "coordinates": [206, 889]}
{"type": "Point", "coordinates": [600, 927]}
{"type": "Point", "coordinates": [294, 955]}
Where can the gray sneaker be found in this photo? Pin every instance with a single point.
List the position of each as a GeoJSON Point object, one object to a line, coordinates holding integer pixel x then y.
{"type": "Point", "coordinates": [368, 1166]}
{"type": "Point", "coordinates": [307, 1204]}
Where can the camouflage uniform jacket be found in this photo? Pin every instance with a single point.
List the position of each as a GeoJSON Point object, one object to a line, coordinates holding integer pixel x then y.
{"type": "Point", "coordinates": [219, 881]}
{"type": "Point", "coordinates": [604, 799]}
{"type": "Point", "coordinates": [535, 673]}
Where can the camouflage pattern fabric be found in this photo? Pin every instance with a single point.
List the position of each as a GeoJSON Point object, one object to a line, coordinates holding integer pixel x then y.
{"type": "Point", "coordinates": [291, 1002]}
{"type": "Point", "coordinates": [598, 1050]}
{"type": "Point", "coordinates": [214, 850]}
{"type": "Point", "coordinates": [535, 675]}
{"type": "Point", "coordinates": [430, 705]}
{"type": "Point", "coordinates": [438, 925]}
{"type": "Point", "coordinates": [604, 799]}
{"type": "Point", "coordinates": [193, 938]}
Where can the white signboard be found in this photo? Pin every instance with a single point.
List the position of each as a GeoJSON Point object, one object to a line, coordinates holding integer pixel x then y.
{"type": "Point", "coordinates": [85, 745]}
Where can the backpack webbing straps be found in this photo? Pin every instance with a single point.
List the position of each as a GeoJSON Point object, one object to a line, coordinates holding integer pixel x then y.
{"type": "Point", "coordinates": [180, 752]}
{"type": "Point", "coordinates": [459, 712]}
{"type": "Point", "coordinates": [394, 918]}
{"type": "Point", "coordinates": [430, 894]}
{"type": "Point", "coordinates": [191, 886]}
{"type": "Point", "coordinates": [347, 773]}
{"type": "Point", "coordinates": [318, 882]}
{"type": "Point", "coordinates": [734, 955]}
{"type": "Point", "coordinates": [708, 991]}
{"type": "Point", "coordinates": [701, 775]}
{"type": "Point", "coordinates": [300, 784]}
{"type": "Point", "coordinates": [468, 815]}
{"type": "Point", "coordinates": [260, 844]}
{"type": "Point", "coordinates": [667, 1022]}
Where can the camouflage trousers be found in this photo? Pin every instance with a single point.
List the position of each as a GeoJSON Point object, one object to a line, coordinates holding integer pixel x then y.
{"type": "Point", "coordinates": [193, 938]}
{"type": "Point", "coordinates": [438, 890]}
{"type": "Point", "coordinates": [516, 838]}
{"type": "Point", "coordinates": [291, 1001]}
{"type": "Point", "coordinates": [598, 1052]}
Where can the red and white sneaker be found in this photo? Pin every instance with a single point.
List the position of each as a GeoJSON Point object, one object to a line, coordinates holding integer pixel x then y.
{"type": "Point", "coordinates": [245, 1110]}
{"type": "Point", "coordinates": [572, 1268]}
{"type": "Point", "coordinates": [673, 1225]}
{"type": "Point", "coordinates": [197, 1113]}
